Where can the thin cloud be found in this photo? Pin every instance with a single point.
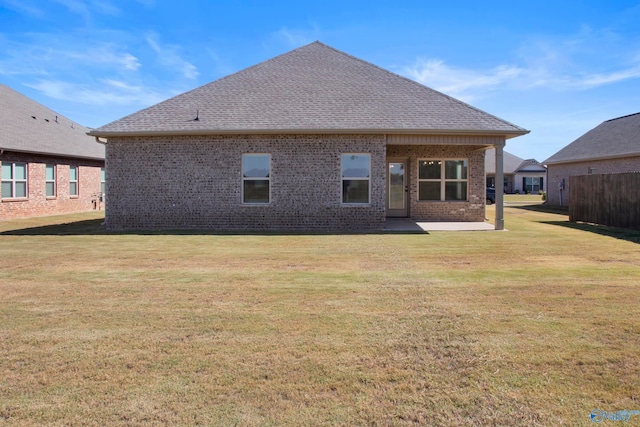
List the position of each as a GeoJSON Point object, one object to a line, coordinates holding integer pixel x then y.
{"type": "Point", "coordinates": [169, 57]}
{"type": "Point", "coordinates": [109, 92]}
{"type": "Point", "coordinates": [469, 84]}
{"type": "Point", "coordinates": [23, 7]}
{"type": "Point", "coordinates": [297, 37]}
{"type": "Point", "coordinates": [460, 82]}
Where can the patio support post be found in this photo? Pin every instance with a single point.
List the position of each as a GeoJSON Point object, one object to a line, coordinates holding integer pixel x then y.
{"type": "Point", "coordinates": [499, 187]}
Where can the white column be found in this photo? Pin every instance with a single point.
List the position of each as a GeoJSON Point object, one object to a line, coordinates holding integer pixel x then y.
{"type": "Point", "coordinates": [499, 187]}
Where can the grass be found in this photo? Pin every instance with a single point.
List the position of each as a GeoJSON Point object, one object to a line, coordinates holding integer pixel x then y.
{"type": "Point", "coordinates": [534, 326]}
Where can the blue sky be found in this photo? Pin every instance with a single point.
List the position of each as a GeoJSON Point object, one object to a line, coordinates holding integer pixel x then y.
{"type": "Point", "coordinates": [558, 68]}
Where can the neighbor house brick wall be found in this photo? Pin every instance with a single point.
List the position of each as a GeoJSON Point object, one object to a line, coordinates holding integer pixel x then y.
{"type": "Point", "coordinates": [471, 210]}
{"type": "Point", "coordinates": [558, 172]}
{"type": "Point", "coordinates": [37, 203]}
{"type": "Point", "coordinates": [195, 182]}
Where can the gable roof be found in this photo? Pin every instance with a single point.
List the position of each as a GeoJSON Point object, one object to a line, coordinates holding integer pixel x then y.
{"type": "Point", "coordinates": [312, 89]}
{"type": "Point", "coordinates": [613, 138]}
{"type": "Point", "coordinates": [510, 163]}
{"type": "Point", "coordinates": [29, 127]}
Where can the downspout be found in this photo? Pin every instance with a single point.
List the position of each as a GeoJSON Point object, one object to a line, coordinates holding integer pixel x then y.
{"type": "Point", "coordinates": [100, 142]}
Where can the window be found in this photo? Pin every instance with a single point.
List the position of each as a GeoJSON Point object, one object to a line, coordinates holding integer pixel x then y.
{"type": "Point", "coordinates": [14, 180]}
{"type": "Point", "coordinates": [50, 180]}
{"type": "Point", "coordinates": [73, 181]}
{"type": "Point", "coordinates": [442, 180]}
{"type": "Point", "coordinates": [103, 181]}
{"type": "Point", "coordinates": [256, 177]}
{"type": "Point", "coordinates": [532, 185]}
{"type": "Point", "coordinates": [356, 173]}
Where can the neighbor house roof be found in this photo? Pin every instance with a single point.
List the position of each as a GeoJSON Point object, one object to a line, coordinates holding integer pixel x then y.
{"type": "Point", "coordinates": [511, 164]}
{"type": "Point", "coordinates": [312, 89]}
{"type": "Point", "coordinates": [29, 127]}
{"type": "Point", "coordinates": [614, 138]}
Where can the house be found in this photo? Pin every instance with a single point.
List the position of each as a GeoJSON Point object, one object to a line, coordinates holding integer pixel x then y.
{"type": "Point", "coordinates": [520, 176]}
{"type": "Point", "coordinates": [314, 139]}
{"type": "Point", "coordinates": [611, 147]}
{"type": "Point", "coordinates": [49, 164]}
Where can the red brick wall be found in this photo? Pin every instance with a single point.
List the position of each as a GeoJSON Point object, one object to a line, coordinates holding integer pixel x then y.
{"type": "Point", "coordinates": [37, 203]}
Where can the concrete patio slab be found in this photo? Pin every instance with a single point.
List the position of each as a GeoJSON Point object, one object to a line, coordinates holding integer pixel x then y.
{"type": "Point", "coordinates": [409, 226]}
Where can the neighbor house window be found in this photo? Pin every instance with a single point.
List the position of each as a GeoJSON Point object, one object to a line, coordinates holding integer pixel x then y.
{"type": "Point", "coordinates": [442, 179]}
{"type": "Point", "coordinates": [73, 180]}
{"type": "Point", "coordinates": [532, 185]}
{"type": "Point", "coordinates": [50, 180]}
{"type": "Point", "coordinates": [103, 181]}
{"type": "Point", "coordinates": [256, 178]}
{"type": "Point", "coordinates": [356, 176]}
{"type": "Point", "coordinates": [14, 180]}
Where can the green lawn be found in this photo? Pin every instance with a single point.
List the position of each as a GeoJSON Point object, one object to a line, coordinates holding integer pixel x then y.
{"type": "Point", "coordinates": [534, 326]}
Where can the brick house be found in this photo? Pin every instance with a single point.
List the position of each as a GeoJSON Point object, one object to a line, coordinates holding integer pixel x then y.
{"type": "Point", "coordinates": [49, 164]}
{"type": "Point", "coordinates": [611, 147]}
{"type": "Point", "coordinates": [520, 176]}
{"type": "Point", "coordinates": [314, 139]}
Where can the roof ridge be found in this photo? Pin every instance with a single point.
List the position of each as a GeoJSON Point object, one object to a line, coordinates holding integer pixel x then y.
{"type": "Point", "coordinates": [622, 117]}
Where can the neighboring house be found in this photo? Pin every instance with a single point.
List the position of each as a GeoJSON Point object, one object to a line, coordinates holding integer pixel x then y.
{"type": "Point", "coordinates": [49, 164]}
{"type": "Point", "coordinates": [520, 176]}
{"type": "Point", "coordinates": [314, 139]}
{"type": "Point", "coordinates": [611, 147]}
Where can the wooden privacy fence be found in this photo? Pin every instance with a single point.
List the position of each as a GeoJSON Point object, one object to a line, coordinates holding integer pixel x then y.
{"type": "Point", "coordinates": [607, 199]}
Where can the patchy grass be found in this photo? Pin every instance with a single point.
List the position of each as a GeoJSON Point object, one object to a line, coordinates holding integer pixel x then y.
{"type": "Point", "coordinates": [523, 198]}
{"type": "Point", "coordinates": [534, 326]}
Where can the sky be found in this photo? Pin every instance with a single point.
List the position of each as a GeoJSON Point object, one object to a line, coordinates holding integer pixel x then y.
{"type": "Point", "coordinates": [556, 68]}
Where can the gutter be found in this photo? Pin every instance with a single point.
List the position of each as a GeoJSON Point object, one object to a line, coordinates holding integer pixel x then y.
{"type": "Point", "coordinates": [198, 132]}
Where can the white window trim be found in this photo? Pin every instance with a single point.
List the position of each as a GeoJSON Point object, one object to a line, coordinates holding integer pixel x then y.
{"type": "Point", "coordinates": [103, 181]}
{"type": "Point", "coordinates": [77, 181]}
{"type": "Point", "coordinates": [254, 179]}
{"type": "Point", "coordinates": [54, 181]}
{"type": "Point", "coordinates": [443, 180]}
{"type": "Point", "coordinates": [13, 181]}
{"type": "Point", "coordinates": [343, 178]}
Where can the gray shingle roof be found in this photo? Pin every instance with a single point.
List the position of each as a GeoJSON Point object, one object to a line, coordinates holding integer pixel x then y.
{"type": "Point", "coordinates": [29, 127]}
{"type": "Point", "coordinates": [510, 162]}
{"type": "Point", "coordinates": [614, 138]}
{"type": "Point", "coordinates": [312, 89]}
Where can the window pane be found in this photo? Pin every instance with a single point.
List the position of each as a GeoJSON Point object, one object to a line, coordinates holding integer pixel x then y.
{"type": "Point", "coordinates": [7, 171]}
{"type": "Point", "coordinates": [256, 191]}
{"type": "Point", "coordinates": [51, 189]}
{"type": "Point", "coordinates": [50, 173]}
{"type": "Point", "coordinates": [20, 171]}
{"type": "Point", "coordinates": [73, 188]}
{"type": "Point", "coordinates": [355, 191]}
{"type": "Point", "coordinates": [255, 166]}
{"type": "Point", "coordinates": [21, 189]}
{"type": "Point", "coordinates": [356, 165]}
{"type": "Point", "coordinates": [103, 175]}
{"type": "Point", "coordinates": [103, 188]}
{"type": "Point", "coordinates": [429, 169]}
{"type": "Point", "coordinates": [73, 173]}
{"type": "Point", "coordinates": [455, 191]}
{"type": "Point", "coordinates": [429, 190]}
{"type": "Point", "coordinates": [7, 189]}
{"type": "Point", "coordinates": [455, 169]}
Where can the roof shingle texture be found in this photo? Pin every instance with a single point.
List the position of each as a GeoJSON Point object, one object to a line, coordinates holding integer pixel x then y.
{"type": "Point", "coordinates": [314, 88]}
{"type": "Point", "coordinates": [29, 127]}
{"type": "Point", "coordinates": [611, 139]}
